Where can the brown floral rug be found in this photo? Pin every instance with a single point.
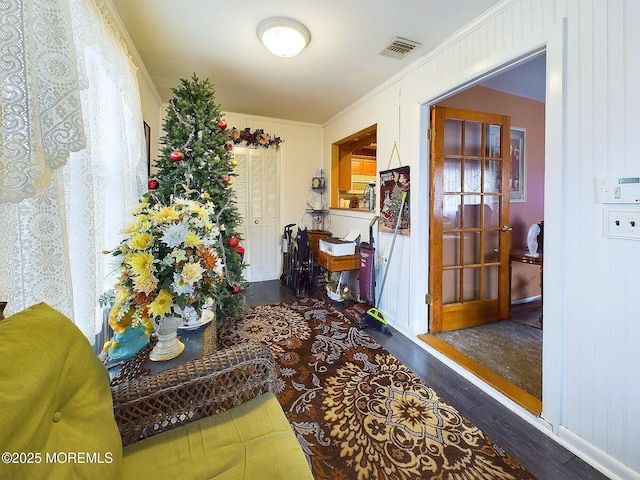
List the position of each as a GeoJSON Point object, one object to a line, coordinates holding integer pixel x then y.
{"type": "Point", "coordinates": [357, 411]}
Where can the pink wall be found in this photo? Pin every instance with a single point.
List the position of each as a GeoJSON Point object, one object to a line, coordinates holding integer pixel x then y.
{"type": "Point", "coordinates": [527, 114]}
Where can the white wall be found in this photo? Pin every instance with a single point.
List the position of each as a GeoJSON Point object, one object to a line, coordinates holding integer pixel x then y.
{"type": "Point", "coordinates": [152, 110]}
{"type": "Point", "coordinates": [381, 109]}
{"type": "Point", "coordinates": [591, 388]}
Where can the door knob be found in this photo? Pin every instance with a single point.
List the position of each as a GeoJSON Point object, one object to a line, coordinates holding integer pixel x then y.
{"type": "Point", "coordinates": [256, 222]}
{"type": "Point", "coordinates": [506, 228]}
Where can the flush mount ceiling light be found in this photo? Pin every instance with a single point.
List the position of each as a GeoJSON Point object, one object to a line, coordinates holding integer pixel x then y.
{"type": "Point", "coordinates": [284, 37]}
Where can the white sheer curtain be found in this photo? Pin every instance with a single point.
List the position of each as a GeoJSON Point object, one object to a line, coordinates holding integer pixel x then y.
{"type": "Point", "coordinates": [74, 201]}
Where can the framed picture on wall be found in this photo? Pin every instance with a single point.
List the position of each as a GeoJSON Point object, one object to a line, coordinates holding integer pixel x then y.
{"type": "Point", "coordinates": [393, 183]}
{"type": "Point", "coordinates": [147, 143]}
{"type": "Point", "coordinates": [517, 176]}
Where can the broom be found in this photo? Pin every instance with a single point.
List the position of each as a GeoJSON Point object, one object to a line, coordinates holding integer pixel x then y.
{"type": "Point", "coordinates": [374, 312]}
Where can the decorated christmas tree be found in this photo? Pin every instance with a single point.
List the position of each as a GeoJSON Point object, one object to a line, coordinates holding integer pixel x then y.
{"type": "Point", "coordinates": [196, 163]}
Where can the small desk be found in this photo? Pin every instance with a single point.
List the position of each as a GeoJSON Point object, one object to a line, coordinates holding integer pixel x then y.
{"type": "Point", "coordinates": [338, 264]}
{"type": "Point", "coordinates": [522, 256]}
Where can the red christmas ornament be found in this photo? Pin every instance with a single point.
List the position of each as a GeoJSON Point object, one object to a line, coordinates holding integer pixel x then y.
{"type": "Point", "coordinates": [222, 124]}
{"type": "Point", "coordinates": [153, 184]}
{"type": "Point", "coordinates": [240, 250]}
{"type": "Point", "coordinates": [235, 289]}
{"type": "Point", "coordinates": [233, 242]}
{"type": "Point", "coordinates": [228, 146]}
{"type": "Point", "coordinates": [177, 156]}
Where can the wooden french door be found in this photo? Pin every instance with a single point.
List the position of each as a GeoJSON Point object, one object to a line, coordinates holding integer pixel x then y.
{"type": "Point", "coordinates": [469, 221]}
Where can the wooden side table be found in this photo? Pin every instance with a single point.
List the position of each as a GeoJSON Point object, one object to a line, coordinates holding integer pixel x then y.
{"type": "Point", "coordinates": [522, 256]}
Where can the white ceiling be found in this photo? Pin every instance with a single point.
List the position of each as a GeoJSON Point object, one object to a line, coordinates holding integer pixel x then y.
{"type": "Point", "coordinates": [217, 40]}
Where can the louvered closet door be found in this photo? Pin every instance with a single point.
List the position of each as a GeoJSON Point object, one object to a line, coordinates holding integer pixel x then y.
{"type": "Point", "coordinates": [261, 209]}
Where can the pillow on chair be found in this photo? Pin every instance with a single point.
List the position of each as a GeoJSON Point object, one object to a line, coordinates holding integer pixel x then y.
{"type": "Point", "coordinates": [56, 407]}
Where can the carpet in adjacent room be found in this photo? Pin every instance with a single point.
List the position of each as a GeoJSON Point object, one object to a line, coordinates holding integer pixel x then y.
{"type": "Point", "coordinates": [509, 348]}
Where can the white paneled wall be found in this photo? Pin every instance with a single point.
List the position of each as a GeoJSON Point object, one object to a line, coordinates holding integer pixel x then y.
{"type": "Point", "coordinates": [601, 328]}
{"type": "Point", "coordinates": [592, 328]}
{"type": "Point", "coordinates": [384, 112]}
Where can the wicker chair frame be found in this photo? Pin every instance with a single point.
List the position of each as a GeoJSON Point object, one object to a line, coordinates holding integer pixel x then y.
{"type": "Point", "coordinates": [147, 405]}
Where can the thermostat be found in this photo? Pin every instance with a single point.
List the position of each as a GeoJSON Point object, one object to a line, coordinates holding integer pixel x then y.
{"type": "Point", "coordinates": [618, 189]}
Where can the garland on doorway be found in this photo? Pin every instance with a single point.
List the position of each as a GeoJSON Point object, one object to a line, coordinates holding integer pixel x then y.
{"type": "Point", "coordinates": [257, 138]}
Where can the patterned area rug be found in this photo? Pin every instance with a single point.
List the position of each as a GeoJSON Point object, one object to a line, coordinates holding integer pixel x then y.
{"type": "Point", "coordinates": [357, 411]}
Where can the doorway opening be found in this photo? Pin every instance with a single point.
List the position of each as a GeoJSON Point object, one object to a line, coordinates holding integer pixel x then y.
{"type": "Point", "coordinates": [520, 93]}
{"type": "Point", "coordinates": [353, 168]}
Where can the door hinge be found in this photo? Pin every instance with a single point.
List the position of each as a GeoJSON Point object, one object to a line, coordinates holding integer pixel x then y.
{"type": "Point", "coordinates": [428, 299]}
{"type": "Point", "coordinates": [431, 133]}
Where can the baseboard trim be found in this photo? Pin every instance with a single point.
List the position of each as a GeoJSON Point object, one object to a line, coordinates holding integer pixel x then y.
{"type": "Point", "coordinates": [508, 389]}
{"type": "Point", "coordinates": [595, 457]}
{"type": "Point", "coordinates": [526, 300]}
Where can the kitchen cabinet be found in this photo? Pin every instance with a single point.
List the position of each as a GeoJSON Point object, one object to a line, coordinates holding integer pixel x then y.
{"type": "Point", "coordinates": [363, 165]}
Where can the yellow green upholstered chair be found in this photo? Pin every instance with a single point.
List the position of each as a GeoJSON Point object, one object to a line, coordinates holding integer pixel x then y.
{"type": "Point", "coordinates": [57, 412]}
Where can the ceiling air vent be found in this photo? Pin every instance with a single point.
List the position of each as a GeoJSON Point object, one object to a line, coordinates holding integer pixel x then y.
{"type": "Point", "coordinates": [399, 48]}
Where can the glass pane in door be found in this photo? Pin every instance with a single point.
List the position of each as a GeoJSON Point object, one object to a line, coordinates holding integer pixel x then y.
{"type": "Point", "coordinates": [452, 137]}
{"type": "Point", "coordinates": [451, 249]}
{"type": "Point", "coordinates": [492, 217]}
{"type": "Point", "coordinates": [471, 248]}
{"type": "Point", "coordinates": [492, 176]}
{"type": "Point", "coordinates": [452, 174]}
{"type": "Point", "coordinates": [450, 286]}
{"type": "Point", "coordinates": [491, 246]}
{"type": "Point", "coordinates": [450, 208]}
{"type": "Point", "coordinates": [470, 213]}
{"type": "Point", "coordinates": [492, 133]}
{"type": "Point", "coordinates": [472, 139]}
{"type": "Point", "coordinates": [472, 175]}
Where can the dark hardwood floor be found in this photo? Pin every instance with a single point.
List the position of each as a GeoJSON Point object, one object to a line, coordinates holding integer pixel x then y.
{"type": "Point", "coordinates": [536, 451]}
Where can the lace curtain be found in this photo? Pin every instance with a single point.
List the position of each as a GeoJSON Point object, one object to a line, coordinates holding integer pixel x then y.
{"type": "Point", "coordinates": [72, 165]}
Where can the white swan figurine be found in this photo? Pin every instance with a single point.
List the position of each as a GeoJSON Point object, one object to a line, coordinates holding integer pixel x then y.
{"type": "Point", "coordinates": [532, 240]}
